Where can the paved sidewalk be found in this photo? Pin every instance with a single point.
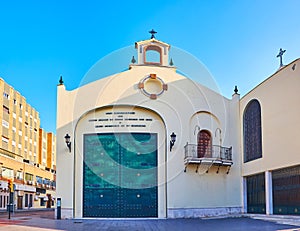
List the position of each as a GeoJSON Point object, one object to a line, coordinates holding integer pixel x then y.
{"type": "Point", "coordinates": [224, 224]}
{"type": "Point", "coordinates": [280, 219]}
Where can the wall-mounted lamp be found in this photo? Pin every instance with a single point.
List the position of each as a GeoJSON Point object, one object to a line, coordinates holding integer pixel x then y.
{"type": "Point", "coordinates": [68, 142]}
{"type": "Point", "coordinates": [172, 141]}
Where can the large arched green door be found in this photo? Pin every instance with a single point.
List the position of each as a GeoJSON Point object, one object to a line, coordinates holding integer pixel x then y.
{"type": "Point", "coordinates": [120, 175]}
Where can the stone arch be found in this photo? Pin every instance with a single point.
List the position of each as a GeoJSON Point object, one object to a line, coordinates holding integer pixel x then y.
{"type": "Point", "coordinates": [205, 120]}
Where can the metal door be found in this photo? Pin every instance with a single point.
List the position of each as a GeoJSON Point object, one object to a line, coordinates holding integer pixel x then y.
{"type": "Point", "coordinates": [120, 175]}
{"type": "Point", "coordinates": [256, 196]}
{"type": "Point", "coordinates": [286, 191]}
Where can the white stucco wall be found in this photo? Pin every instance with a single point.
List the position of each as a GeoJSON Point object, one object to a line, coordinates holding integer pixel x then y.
{"type": "Point", "coordinates": [183, 106]}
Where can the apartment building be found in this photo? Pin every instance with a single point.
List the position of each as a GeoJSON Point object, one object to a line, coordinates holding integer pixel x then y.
{"type": "Point", "coordinates": [27, 153]}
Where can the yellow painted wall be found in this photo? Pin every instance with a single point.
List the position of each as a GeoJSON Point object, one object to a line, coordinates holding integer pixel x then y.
{"type": "Point", "coordinates": [279, 98]}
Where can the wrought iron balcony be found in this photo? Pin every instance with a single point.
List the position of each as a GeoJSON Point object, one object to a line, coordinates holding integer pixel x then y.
{"type": "Point", "coordinates": [213, 155]}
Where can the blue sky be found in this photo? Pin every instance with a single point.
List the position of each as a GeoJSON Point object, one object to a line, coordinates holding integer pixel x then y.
{"type": "Point", "coordinates": [236, 40]}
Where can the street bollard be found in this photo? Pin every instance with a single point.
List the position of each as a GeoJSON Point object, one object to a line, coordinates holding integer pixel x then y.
{"type": "Point", "coordinates": [58, 212]}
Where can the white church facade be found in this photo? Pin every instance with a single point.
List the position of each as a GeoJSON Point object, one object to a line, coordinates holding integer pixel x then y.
{"type": "Point", "coordinates": [150, 142]}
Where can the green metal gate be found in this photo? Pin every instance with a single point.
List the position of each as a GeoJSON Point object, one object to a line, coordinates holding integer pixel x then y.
{"type": "Point", "coordinates": [120, 175]}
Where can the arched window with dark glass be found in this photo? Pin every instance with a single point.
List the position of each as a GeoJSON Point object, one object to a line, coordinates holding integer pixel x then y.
{"type": "Point", "coordinates": [204, 144]}
{"type": "Point", "coordinates": [252, 131]}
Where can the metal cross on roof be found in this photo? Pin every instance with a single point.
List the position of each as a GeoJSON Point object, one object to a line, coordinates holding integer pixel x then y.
{"type": "Point", "coordinates": [152, 32]}
{"type": "Point", "coordinates": [281, 52]}
{"type": "Point", "coordinates": [61, 82]}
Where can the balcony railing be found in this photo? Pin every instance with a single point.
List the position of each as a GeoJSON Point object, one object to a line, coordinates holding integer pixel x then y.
{"type": "Point", "coordinates": [215, 153]}
{"type": "Point", "coordinates": [18, 180]}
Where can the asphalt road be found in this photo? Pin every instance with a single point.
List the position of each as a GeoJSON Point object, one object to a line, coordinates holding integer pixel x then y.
{"type": "Point", "coordinates": [43, 220]}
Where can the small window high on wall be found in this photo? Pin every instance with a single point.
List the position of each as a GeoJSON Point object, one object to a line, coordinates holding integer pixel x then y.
{"type": "Point", "coordinates": [252, 131]}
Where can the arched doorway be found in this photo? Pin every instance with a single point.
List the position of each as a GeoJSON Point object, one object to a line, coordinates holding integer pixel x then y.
{"type": "Point", "coordinates": [204, 145]}
{"type": "Point", "coordinates": [120, 163]}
